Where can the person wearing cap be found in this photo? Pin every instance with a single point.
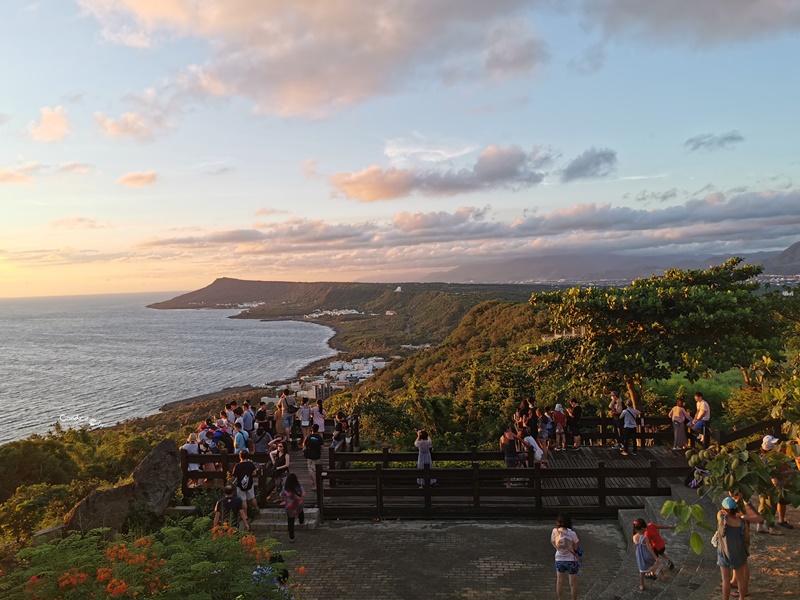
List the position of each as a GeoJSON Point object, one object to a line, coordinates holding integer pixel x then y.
{"type": "Point", "coordinates": [230, 509]}
{"type": "Point", "coordinates": [765, 507]}
{"type": "Point", "coordinates": [733, 535]}
{"type": "Point", "coordinates": [615, 408]}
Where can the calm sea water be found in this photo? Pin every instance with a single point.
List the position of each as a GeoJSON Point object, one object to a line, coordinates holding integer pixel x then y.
{"type": "Point", "coordinates": [108, 358]}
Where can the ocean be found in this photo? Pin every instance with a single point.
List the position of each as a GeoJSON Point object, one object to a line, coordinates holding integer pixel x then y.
{"type": "Point", "coordinates": [102, 359]}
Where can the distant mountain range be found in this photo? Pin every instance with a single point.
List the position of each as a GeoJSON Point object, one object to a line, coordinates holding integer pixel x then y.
{"type": "Point", "coordinates": [605, 267]}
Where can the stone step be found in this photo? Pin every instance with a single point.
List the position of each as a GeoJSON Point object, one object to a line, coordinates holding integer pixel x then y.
{"type": "Point", "coordinates": [274, 519]}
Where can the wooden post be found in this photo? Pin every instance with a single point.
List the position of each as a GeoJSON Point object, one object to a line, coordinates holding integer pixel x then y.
{"type": "Point", "coordinates": [332, 464]}
{"type": "Point", "coordinates": [185, 476]}
{"type": "Point", "coordinates": [225, 463]}
{"type": "Point", "coordinates": [427, 475]}
{"type": "Point", "coordinates": [379, 489]}
{"type": "Point", "coordinates": [603, 429]}
{"type": "Point", "coordinates": [320, 491]}
{"type": "Point", "coordinates": [537, 477]}
{"type": "Point", "coordinates": [356, 432]}
{"type": "Point", "coordinates": [476, 483]}
{"type": "Point", "coordinates": [653, 474]}
{"type": "Point", "coordinates": [473, 453]}
{"type": "Point", "coordinates": [601, 484]}
{"type": "Point", "coordinates": [385, 457]}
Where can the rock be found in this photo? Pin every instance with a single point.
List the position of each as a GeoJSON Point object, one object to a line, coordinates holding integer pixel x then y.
{"type": "Point", "coordinates": [157, 478]}
{"type": "Point", "coordinates": [155, 481]}
{"type": "Point", "coordinates": [102, 508]}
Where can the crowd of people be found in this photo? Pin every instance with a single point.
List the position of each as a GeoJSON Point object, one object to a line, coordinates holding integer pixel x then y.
{"type": "Point", "coordinates": [245, 430]}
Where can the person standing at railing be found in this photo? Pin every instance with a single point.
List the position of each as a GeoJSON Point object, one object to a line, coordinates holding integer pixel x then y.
{"type": "Point", "coordinates": [424, 444]}
{"type": "Point", "coordinates": [679, 417]}
{"type": "Point", "coordinates": [629, 417]}
{"type": "Point", "coordinates": [615, 408]}
{"type": "Point", "coordinates": [312, 450]}
{"type": "Point", "coordinates": [560, 424]}
{"type": "Point", "coordinates": [192, 447]}
{"type": "Point", "coordinates": [574, 414]}
{"type": "Point", "coordinates": [542, 434]}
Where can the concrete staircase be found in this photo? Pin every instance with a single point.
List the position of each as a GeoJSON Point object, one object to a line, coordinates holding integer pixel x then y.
{"type": "Point", "coordinates": [694, 577]}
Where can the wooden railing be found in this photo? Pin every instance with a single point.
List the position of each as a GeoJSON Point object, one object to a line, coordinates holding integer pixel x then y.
{"type": "Point", "coordinates": [484, 491]}
{"type": "Point", "coordinates": [770, 426]}
{"type": "Point", "coordinates": [225, 461]}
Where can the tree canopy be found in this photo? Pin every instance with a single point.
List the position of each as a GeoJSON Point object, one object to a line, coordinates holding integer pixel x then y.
{"type": "Point", "coordinates": [692, 322]}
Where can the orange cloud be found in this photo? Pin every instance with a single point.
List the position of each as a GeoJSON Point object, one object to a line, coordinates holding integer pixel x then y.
{"type": "Point", "coordinates": [138, 179]}
{"type": "Point", "coordinates": [130, 125]}
{"type": "Point", "coordinates": [53, 125]}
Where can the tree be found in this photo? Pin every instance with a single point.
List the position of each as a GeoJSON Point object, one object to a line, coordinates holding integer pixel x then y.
{"type": "Point", "coordinates": [692, 322]}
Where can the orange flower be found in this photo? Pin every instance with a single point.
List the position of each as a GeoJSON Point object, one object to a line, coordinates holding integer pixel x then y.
{"type": "Point", "coordinates": [301, 570]}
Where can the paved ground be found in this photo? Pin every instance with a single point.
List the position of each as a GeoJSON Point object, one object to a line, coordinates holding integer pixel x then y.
{"type": "Point", "coordinates": [416, 559]}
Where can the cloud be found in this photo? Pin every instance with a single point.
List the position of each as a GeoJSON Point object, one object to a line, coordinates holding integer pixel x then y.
{"type": "Point", "coordinates": [497, 167]}
{"type": "Point", "coordinates": [710, 141]}
{"type": "Point", "coordinates": [698, 22]}
{"type": "Point", "coordinates": [438, 239]}
{"type": "Point", "coordinates": [20, 173]}
{"type": "Point", "coordinates": [266, 211]}
{"type": "Point", "coordinates": [74, 168]}
{"type": "Point", "coordinates": [53, 125]}
{"type": "Point", "coordinates": [77, 223]}
{"type": "Point", "coordinates": [138, 179]}
{"type": "Point", "coordinates": [594, 162]}
{"type": "Point", "coordinates": [589, 61]}
{"type": "Point", "coordinates": [3, 119]}
{"type": "Point", "coordinates": [665, 196]}
{"type": "Point", "coordinates": [317, 58]}
{"type": "Point", "coordinates": [417, 148]}
{"type": "Point", "coordinates": [131, 125]}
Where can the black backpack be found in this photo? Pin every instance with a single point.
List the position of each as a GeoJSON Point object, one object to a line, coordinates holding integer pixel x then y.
{"type": "Point", "coordinates": [226, 440]}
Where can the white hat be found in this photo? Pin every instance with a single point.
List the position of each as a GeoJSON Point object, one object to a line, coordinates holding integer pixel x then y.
{"type": "Point", "coordinates": [769, 442]}
{"type": "Point", "coordinates": [559, 408]}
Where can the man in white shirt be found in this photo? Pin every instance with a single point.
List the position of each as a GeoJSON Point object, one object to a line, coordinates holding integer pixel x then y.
{"type": "Point", "coordinates": [702, 415]}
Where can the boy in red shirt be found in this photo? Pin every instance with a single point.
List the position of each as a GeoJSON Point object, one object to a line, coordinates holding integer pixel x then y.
{"type": "Point", "coordinates": [659, 547]}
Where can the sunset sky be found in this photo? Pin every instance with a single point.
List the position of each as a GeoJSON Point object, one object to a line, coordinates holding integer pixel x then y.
{"type": "Point", "coordinates": [153, 145]}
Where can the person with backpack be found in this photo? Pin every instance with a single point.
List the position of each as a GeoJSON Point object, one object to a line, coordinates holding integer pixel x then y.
{"type": "Point", "coordinates": [230, 509]}
{"type": "Point", "coordinates": [240, 439]}
{"type": "Point", "coordinates": [567, 546]}
{"type": "Point", "coordinates": [312, 450]}
{"type": "Point", "coordinates": [244, 474]}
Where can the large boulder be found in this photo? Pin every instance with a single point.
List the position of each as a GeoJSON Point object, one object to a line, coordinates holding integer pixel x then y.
{"type": "Point", "coordinates": [155, 481]}
{"type": "Point", "coordinates": [158, 477]}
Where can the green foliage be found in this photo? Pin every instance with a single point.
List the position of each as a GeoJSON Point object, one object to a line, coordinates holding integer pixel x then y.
{"type": "Point", "coordinates": [464, 390]}
{"type": "Point", "coordinates": [693, 322]}
{"type": "Point", "coordinates": [734, 470]}
{"type": "Point", "coordinates": [34, 460]}
{"type": "Point", "coordinates": [187, 560]}
{"type": "Point", "coordinates": [691, 517]}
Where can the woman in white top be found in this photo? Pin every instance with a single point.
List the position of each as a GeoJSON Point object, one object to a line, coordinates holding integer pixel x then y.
{"type": "Point", "coordinates": [566, 543]}
{"type": "Point", "coordinates": [192, 448]}
{"type": "Point", "coordinates": [318, 415]}
{"type": "Point", "coordinates": [304, 414]}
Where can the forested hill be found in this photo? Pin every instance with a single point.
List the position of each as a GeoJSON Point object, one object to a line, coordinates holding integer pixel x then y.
{"type": "Point", "coordinates": [289, 298]}
{"type": "Point", "coordinates": [464, 388]}
{"type": "Point", "coordinates": [390, 315]}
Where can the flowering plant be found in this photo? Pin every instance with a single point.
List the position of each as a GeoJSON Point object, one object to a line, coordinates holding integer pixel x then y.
{"type": "Point", "coordinates": [186, 560]}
